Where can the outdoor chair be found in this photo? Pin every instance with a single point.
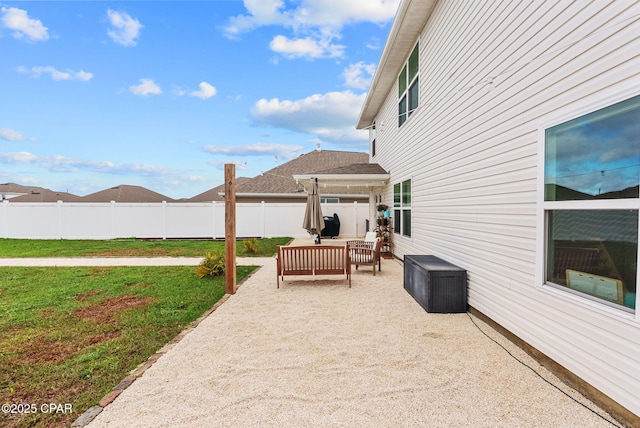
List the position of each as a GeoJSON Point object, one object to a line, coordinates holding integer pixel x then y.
{"type": "Point", "coordinates": [365, 253]}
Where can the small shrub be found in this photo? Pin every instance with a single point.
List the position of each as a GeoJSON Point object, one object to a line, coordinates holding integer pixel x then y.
{"type": "Point", "coordinates": [250, 246]}
{"type": "Point", "coordinates": [213, 264]}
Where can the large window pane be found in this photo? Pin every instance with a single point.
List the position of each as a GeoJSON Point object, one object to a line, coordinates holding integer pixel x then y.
{"type": "Point", "coordinates": [402, 81]}
{"type": "Point", "coordinates": [594, 252]}
{"type": "Point", "coordinates": [595, 156]}
{"type": "Point", "coordinates": [413, 97]}
{"type": "Point", "coordinates": [406, 193]}
{"type": "Point", "coordinates": [413, 63]}
{"type": "Point", "coordinates": [402, 110]}
{"type": "Point", "coordinates": [396, 195]}
{"type": "Point", "coordinates": [396, 221]}
{"type": "Point", "coordinates": [406, 222]}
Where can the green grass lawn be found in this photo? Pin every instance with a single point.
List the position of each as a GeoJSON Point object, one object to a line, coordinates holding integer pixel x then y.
{"type": "Point", "coordinates": [69, 335]}
{"type": "Point", "coordinates": [127, 247]}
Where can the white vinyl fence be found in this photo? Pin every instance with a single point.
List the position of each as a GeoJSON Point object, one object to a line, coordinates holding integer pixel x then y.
{"type": "Point", "coordinates": [43, 220]}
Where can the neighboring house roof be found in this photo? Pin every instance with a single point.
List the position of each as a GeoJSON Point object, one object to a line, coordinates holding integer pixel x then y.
{"type": "Point", "coordinates": [279, 181]}
{"type": "Point", "coordinates": [126, 193]}
{"type": "Point", "coordinates": [410, 19]}
{"type": "Point", "coordinates": [19, 193]}
{"type": "Point", "coordinates": [46, 195]}
{"type": "Point", "coordinates": [213, 194]}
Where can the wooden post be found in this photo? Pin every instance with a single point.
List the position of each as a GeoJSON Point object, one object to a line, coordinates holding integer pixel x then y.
{"type": "Point", "coordinates": [230, 226]}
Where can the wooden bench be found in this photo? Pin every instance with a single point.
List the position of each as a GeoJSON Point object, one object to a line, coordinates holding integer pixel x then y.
{"type": "Point", "coordinates": [313, 260]}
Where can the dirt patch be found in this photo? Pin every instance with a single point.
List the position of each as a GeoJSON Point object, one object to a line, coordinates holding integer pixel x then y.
{"type": "Point", "coordinates": [139, 252]}
{"type": "Point", "coordinates": [85, 296]}
{"type": "Point", "coordinates": [101, 338]}
{"type": "Point", "coordinates": [43, 350]}
{"type": "Point", "coordinates": [105, 310]}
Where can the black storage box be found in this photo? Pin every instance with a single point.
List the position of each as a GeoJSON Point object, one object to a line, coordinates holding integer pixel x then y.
{"type": "Point", "coordinates": [437, 285]}
{"type": "Point", "coordinates": [331, 226]}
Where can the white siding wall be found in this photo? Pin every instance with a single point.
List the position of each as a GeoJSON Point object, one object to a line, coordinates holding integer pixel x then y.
{"type": "Point", "coordinates": [472, 154]}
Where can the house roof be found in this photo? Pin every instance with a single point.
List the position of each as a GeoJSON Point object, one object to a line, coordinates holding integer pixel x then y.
{"type": "Point", "coordinates": [280, 180]}
{"type": "Point", "coordinates": [410, 19]}
{"type": "Point", "coordinates": [46, 195]}
{"type": "Point", "coordinates": [213, 194]}
{"type": "Point", "coordinates": [36, 194]}
{"type": "Point", "coordinates": [126, 193]}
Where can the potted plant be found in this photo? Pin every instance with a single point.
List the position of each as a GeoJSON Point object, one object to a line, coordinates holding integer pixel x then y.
{"type": "Point", "coordinates": [382, 208]}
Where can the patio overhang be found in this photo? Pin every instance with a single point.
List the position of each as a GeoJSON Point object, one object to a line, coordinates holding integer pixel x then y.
{"type": "Point", "coordinates": [357, 177]}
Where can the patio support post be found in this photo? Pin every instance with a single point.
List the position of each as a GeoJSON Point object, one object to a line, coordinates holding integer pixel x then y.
{"type": "Point", "coordinates": [230, 226]}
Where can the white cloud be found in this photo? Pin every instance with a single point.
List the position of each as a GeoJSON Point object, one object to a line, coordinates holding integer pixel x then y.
{"type": "Point", "coordinates": [17, 157]}
{"type": "Point", "coordinates": [206, 91]}
{"type": "Point", "coordinates": [124, 29]}
{"type": "Point", "coordinates": [146, 87]}
{"type": "Point", "coordinates": [257, 149]}
{"type": "Point", "coordinates": [240, 165]}
{"type": "Point", "coordinates": [311, 13]}
{"type": "Point", "coordinates": [57, 74]}
{"type": "Point", "coordinates": [316, 23]}
{"type": "Point", "coordinates": [58, 163]}
{"type": "Point", "coordinates": [13, 135]}
{"type": "Point", "coordinates": [25, 28]}
{"type": "Point", "coordinates": [330, 116]}
{"type": "Point", "coordinates": [306, 47]}
{"type": "Point", "coordinates": [358, 75]}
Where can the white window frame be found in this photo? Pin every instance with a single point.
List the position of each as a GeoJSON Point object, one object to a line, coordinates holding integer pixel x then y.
{"type": "Point", "coordinates": [595, 103]}
{"type": "Point", "coordinates": [402, 208]}
{"type": "Point", "coordinates": [409, 84]}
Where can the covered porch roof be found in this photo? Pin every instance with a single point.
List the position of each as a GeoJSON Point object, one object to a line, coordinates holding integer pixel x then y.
{"type": "Point", "coordinates": [362, 176]}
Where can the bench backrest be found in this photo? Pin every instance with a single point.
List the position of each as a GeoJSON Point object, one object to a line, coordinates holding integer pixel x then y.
{"type": "Point", "coordinates": [310, 259]}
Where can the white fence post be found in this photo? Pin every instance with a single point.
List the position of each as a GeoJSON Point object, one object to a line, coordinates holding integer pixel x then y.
{"type": "Point", "coordinates": [164, 219]}
{"type": "Point", "coordinates": [113, 219]}
{"type": "Point", "coordinates": [263, 216]}
{"type": "Point", "coordinates": [5, 219]}
{"type": "Point", "coordinates": [59, 218]}
{"type": "Point", "coordinates": [213, 207]}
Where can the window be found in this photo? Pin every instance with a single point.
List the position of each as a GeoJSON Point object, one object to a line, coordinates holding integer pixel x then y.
{"type": "Point", "coordinates": [402, 208]}
{"type": "Point", "coordinates": [591, 204]}
{"type": "Point", "coordinates": [372, 138]}
{"type": "Point", "coordinates": [408, 87]}
{"type": "Point", "coordinates": [329, 200]}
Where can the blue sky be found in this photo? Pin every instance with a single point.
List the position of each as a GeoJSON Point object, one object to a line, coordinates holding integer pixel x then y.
{"type": "Point", "coordinates": [162, 94]}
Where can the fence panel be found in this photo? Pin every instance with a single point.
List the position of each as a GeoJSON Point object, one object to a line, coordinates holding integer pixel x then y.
{"type": "Point", "coordinates": [44, 220]}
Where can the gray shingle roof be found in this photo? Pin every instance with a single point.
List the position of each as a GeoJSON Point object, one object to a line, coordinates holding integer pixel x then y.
{"type": "Point", "coordinates": [36, 194]}
{"type": "Point", "coordinates": [126, 193]}
{"type": "Point", "coordinates": [46, 195]}
{"type": "Point", "coordinates": [356, 168]}
{"type": "Point", "coordinates": [279, 180]}
{"type": "Point", "coordinates": [212, 194]}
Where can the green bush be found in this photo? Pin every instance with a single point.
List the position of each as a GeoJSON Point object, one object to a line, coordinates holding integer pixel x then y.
{"type": "Point", "coordinates": [250, 246]}
{"type": "Point", "coordinates": [213, 264]}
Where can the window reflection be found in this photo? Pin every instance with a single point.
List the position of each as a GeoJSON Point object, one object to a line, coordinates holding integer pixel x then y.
{"type": "Point", "coordinates": [595, 156]}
